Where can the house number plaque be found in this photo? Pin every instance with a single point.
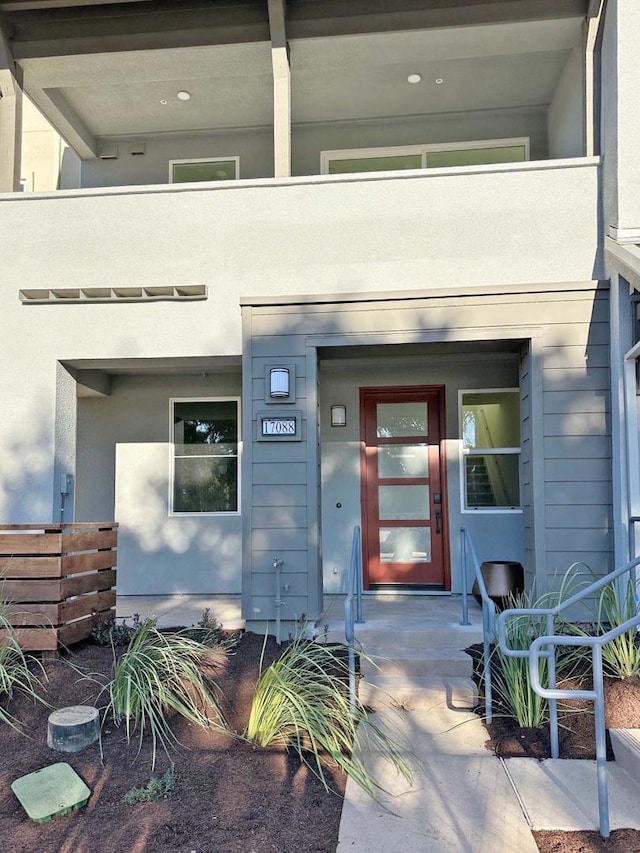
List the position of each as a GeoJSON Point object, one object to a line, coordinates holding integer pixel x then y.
{"type": "Point", "coordinates": [283, 426]}
{"type": "Point", "coordinates": [279, 426]}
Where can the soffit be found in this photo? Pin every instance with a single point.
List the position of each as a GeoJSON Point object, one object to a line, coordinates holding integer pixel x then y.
{"type": "Point", "coordinates": [494, 66]}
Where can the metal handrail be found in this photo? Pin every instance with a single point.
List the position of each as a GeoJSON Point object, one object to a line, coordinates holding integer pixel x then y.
{"type": "Point", "coordinates": [488, 615]}
{"type": "Point", "coordinates": [354, 587]}
{"type": "Point", "coordinates": [596, 696]}
{"type": "Point", "coordinates": [549, 641]}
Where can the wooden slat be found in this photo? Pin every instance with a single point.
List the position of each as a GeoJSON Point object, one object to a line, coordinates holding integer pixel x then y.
{"type": "Point", "coordinates": [86, 562]}
{"type": "Point", "coordinates": [37, 639]}
{"type": "Point", "coordinates": [85, 604]}
{"type": "Point", "coordinates": [82, 628]}
{"type": "Point", "coordinates": [88, 541]}
{"type": "Point", "coordinates": [94, 582]}
{"type": "Point", "coordinates": [31, 567]}
{"type": "Point", "coordinates": [31, 543]}
{"type": "Point", "coordinates": [30, 590]}
{"type": "Point", "coordinates": [46, 615]}
{"type": "Point", "coordinates": [68, 525]}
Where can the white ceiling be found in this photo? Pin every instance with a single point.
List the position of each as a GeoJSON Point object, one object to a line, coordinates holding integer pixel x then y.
{"type": "Point", "coordinates": [344, 77]}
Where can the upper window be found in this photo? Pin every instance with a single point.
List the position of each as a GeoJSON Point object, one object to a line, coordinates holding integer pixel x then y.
{"type": "Point", "coordinates": [210, 169]}
{"type": "Point", "coordinates": [205, 456]}
{"type": "Point", "coordinates": [490, 429]}
{"type": "Point", "coordinates": [424, 156]}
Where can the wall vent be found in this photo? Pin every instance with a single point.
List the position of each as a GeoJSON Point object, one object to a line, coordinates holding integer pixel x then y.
{"type": "Point", "coordinates": [173, 293]}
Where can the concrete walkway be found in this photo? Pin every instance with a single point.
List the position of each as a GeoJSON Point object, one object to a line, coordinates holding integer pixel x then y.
{"type": "Point", "coordinates": [463, 798]}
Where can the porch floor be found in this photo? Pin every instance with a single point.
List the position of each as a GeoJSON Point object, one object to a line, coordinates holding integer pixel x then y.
{"type": "Point", "coordinates": [390, 614]}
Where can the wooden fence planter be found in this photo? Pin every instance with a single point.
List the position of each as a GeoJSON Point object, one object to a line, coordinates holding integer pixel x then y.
{"type": "Point", "coordinates": [59, 580]}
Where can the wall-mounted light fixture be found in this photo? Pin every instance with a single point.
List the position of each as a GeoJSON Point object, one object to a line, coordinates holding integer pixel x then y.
{"type": "Point", "coordinates": [279, 382]}
{"type": "Point", "coordinates": [338, 416]}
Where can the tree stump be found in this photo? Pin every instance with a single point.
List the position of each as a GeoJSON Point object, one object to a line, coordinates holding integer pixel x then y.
{"type": "Point", "coordinates": [74, 728]}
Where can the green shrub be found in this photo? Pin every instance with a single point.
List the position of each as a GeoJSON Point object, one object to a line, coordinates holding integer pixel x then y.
{"type": "Point", "coordinates": [301, 702]}
{"type": "Point", "coordinates": [155, 789]}
{"type": "Point", "coordinates": [157, 675]}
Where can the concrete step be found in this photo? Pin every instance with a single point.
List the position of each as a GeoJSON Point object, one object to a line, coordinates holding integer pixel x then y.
{"type": "Point", "coordinates": [626, 748]}
{"type": "Point", "coordinates": [406, 663]}
{"type": "Point", "coordinates": [411, 693]}
{"type": "Point", "coordinates": [446, 637]}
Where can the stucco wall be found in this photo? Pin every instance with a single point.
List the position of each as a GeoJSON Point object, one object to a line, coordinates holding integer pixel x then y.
{"type": "Point", "coordinates": [393, 233]}
{"type": "Point", "coordinates": [123, 469]}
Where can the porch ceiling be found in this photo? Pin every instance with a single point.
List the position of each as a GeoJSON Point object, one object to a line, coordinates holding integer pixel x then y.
{"type": "Point", "coordinates": [101, 71]}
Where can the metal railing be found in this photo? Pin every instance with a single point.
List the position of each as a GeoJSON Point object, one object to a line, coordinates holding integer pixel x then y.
{"type": "Point", "coordinates": [467, 550]}
{"type": "Point", "coordinates": [353, 615]}
{"type": "Point", "coordinates": [545, 647]}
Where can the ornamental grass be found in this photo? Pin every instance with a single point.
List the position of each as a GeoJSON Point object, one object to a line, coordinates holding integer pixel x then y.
{"type": "Point", "coordinates": [160, 675]}
{"type": "Point", "coordinates": [301, 702]}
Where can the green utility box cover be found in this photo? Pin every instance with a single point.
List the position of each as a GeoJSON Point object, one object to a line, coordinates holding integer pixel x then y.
{"type": "Point", "coordinates": [54, 790]}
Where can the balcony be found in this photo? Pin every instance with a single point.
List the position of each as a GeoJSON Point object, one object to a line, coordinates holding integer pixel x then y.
{"type": "Point", "coordinates": [133, 91]}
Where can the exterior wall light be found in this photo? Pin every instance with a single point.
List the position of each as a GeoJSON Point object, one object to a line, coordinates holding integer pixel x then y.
{"type": "Point", "coordinates": [338, 416]}
{"type": "Point", "coordinates": [279, 382]}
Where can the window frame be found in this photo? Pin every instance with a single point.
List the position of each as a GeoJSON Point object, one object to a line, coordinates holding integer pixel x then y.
{"type": "Point", "coordinates": [172, 456]}
{"type": "Point", "coordinates": [400, 150]}
{"type": "Point", "coordinates": [235, 158]}
{"type": "Point", "coordinates": [486, 451]}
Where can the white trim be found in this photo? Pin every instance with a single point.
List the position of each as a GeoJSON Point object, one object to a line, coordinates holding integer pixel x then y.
{"type": "Point", "coordinates": [483, 451]}
{"type": "Point", "coordinates": [172, 455]}
{"type": "Point", "coordinates": [624, 235]}
{"type": "Point", "coordinates": [423, 150]}
{"type": "Point", "coordinates": [189, 160]}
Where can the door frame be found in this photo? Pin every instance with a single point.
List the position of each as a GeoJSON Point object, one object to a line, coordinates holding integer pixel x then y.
{"type": "Point", "coordinates": [441, 416]}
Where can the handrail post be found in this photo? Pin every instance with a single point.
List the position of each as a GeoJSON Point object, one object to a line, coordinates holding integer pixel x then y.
{"type": "Point", "coordinates": [553, 703]}
{"type": "Point", "coordinates": [465, 593]}
{"type": "Point", "coordinates": [601, 742]}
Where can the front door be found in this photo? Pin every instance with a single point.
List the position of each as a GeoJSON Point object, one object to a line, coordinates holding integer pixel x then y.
{"type": "Point", "coordinates": [402, 486]}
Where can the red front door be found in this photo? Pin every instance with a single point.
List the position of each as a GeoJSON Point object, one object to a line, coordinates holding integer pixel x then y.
{"type": "Point", "coordinates": [402, 486]}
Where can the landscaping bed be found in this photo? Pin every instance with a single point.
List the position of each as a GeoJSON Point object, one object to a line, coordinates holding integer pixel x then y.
{"type": "Point", "coordinates": [229, 796]}
{"type": "Point", "coordinates": [577, 740]}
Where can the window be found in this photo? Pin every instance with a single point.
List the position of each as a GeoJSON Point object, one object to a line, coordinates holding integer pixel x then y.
{"type": "Point", "coordinates": [424, 156]}
{"type": "Point", "coordinates": [205, 456]}
{"type": "Point", "coordinates": [209, 169]}
{"type": "Point", "coordinates": [490, 429]}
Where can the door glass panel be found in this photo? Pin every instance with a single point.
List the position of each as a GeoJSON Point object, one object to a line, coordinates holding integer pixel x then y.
{"type": "Point", "coordinates": [403, 502]}
{"type": "Point", "coordinates": [403, 460]}
{"type": "Point", "coordinates": [400, 419]}
{"type": "Point", "coordinates": [405, 545]}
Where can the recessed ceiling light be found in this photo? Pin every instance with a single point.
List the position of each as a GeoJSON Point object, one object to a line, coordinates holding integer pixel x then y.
{"type": "Point", "coordinates": [164, 102]}
{"type": "Point", "coordinates": [414, 78]}
{"type": "Point", "coordinates": [439, 81]}
{"type": "Point", "coordinates": [183, 95]}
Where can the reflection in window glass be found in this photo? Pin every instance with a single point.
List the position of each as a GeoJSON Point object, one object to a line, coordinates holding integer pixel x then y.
{"type": "Point", "coordinates": [405, 545]}
{"type": "Point", "coordinates": [403, 460]}
{"type": "Point", "coordinates": [205, 436]}
{"type": "Point", "coordinates": [401, 419]}
{"type": "Point", "coordinates": [403, 502]}
{"type": "Point", "coordinates": [205, 170]}
{"type": "Point", "coordinates": [490, 423]}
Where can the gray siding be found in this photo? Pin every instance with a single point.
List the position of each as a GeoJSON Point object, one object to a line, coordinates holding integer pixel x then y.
{"type": "Point", "coordinates": [564, 396]}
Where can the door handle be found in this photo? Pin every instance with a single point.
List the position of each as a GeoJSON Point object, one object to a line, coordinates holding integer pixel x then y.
{"type": "Point", "coordinates": [438, 517]}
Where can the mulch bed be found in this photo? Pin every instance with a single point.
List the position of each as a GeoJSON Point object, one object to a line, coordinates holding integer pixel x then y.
{"type": "Point", "coordinates": [577, 740]}
{"type": "Point", "coordinates": [230, 797]}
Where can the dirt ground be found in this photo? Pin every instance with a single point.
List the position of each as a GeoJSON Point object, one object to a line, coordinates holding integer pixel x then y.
{"type": "Point", "coordinates": [229, 797]}
{"type": "Point", "coordinates": [577, 740]}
